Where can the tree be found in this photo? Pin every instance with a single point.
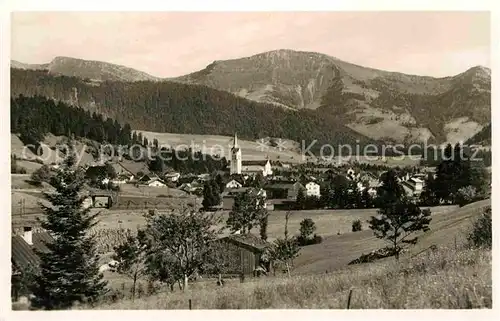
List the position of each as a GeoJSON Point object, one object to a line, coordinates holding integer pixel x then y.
{"type": "Point", "coordinates": [131, 257]}
{"type": "Point", "coordinates": [180, 243]}
{"type": "Point", "coordinates": [284, 250]}
{"type": "Point", "coordinates": [14, 167]}
{"type": "Point", "coordinates": [258, 181]}
{"type": "Point", "coordinates": [69, 269]}
{"type": "Point", "coordinates": [211, 194]}
{"type": "Point", "coordinates": [357, 226]}
{"type": "Point", "coordinates": [428, 196]}
{"type": "Point", "coordinates": [41, 175]}
{"type": "Point", "coordinates": [397, 221]}
{"type": "Point", "coordinates": [220, 183]}
{"type": "Point", "coordinates": [366, 198]}
{"type": "Point", "coordinates": [390, 191]}
{"type": "Point", "coordinates": [481, 232]}
{"type": "Point", "coordinates": [466, 195]}
{"type": "Point", "coordinates": [248, 211]}
{"type": "Point", "coordinates": [263, 226]}
{"type": "Point", "coordinates": [307, 228]}
{"type": "Point", "coordinates": [301, 199]}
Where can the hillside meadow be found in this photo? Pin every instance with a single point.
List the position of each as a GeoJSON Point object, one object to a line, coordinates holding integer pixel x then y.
{"type": "Point", "coordinates": [447, 279]}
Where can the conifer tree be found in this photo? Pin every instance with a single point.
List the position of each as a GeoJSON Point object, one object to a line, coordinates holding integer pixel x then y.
{"type": "Point", "coordinates": [69, 271]}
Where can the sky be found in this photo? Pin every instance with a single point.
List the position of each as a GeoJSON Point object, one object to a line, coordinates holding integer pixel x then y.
{"type": "Point", "coordinates": [170, 44]}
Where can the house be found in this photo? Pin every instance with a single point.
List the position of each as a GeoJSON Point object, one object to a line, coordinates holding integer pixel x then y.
{"type": "Point", "coordinates": [253, 167]}
{"type": "Point", "coordinates": [232, 184]}
{"type": "Point", "coordinates": [313, 189]}
{"type": "Point", "coordinates": [156, 182]}
{"type": "Point", "coordinates": [151, 180]}
{"type": "Point", "coordinates": [413, 186]}
{"type": "Point", "coordinates": [284, 191]}
{"type": "Point", "coordinates": [191, 187]}
{"type": "Point", "coordinates": [243, 253]}
{"type": "Point", "coordinates": [24, 257]}
{"type": "Point", "coordinates": [122, 179]}
{"type": "Point", "coordinates": [122, 172]}
{"type": "Point", "coordinates": [172, 176]}
{"type": "Point", "coordinates": [204, 177]}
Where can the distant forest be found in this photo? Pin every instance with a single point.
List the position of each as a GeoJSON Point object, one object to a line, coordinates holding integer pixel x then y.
{"type": "Point", "coordinates": [34, 117]}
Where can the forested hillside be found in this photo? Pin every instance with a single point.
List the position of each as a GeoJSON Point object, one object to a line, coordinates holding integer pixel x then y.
{"type": "Point", "coordinates": [34, 117]}
{"type": "Point", "coordinates": [181, 108]}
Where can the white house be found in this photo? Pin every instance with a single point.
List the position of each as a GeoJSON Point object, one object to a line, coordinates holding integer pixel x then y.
{"type": "Point", "coordinates": [313, 189]}
{"type": "Point", "coordinates": [413, 186]}
{"type": "Point", "coordinates": [172, 177]}
{"type": "Point", "coordinates": [233, 184]}
{"type": "Point", "coordinates": [156, 182]}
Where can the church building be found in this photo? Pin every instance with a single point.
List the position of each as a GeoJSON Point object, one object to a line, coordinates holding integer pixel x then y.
{"type": "Point", "coordinates": [250, 167]}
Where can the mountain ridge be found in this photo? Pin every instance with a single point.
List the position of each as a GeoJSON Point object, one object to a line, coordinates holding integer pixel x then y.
{"type": "Point", "coordinates": [382, 105]}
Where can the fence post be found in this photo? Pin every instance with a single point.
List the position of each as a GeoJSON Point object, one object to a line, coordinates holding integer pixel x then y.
{"type": "Point", "coordinates": [349, 299]}
{"type": "Point", "coordinates": [190, 306]}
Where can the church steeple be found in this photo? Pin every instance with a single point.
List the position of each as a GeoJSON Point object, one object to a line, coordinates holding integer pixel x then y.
{"type": "Point", "coordinates": [235, 157]}
{"type": "Point", "coordinates": [235, 145]}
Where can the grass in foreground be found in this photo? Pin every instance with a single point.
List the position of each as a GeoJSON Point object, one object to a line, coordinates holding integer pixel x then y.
{"type": "Point", "coordinates": [448, 279]}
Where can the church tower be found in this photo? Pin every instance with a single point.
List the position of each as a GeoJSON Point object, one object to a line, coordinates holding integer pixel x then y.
{"type": "Point", "coordinates": [235, 157]}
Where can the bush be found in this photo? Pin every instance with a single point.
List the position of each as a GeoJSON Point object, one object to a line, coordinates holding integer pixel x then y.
{"type": "Point", "coordinates": [466, 195]}
{"type": "Point", "coordinates": [42, 174]}
{"type": "Point", "coordinates": [303, 241]}
{"type": "Point", "coordinates": [480, 235]}
{"type": "Point", "coordinates": [357, 226]}
{"type": "Point", "coordinates": [307, 228]}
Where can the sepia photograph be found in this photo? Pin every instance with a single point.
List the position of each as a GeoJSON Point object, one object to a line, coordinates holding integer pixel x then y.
{"type": "Point", "coordinates": [222, 160]}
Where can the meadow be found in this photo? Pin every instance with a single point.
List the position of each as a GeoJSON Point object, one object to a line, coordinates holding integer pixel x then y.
{"type": "Point", "coordinates": [447, 279]}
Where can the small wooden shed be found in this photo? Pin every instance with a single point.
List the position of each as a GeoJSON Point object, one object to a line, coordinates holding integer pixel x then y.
{"type": "Point", "coordinates": [245, 252]}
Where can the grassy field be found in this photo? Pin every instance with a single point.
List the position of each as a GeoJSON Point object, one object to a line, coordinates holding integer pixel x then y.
{"type": "Point", "coordinates": [338, 250]}
{"type": "Point", "coordinates": [250, 150]}
{"type": "Point", "coordinates": [447, 279]}
{"type": "Point", "coordinates": [48, 156]}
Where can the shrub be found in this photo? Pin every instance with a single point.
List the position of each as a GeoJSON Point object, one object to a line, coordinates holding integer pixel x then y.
{"type": "Point", "coordinates": [307, 228]}
{"type": "Point", "coordinates": [356, 226]}
{"type": "Point", "coordinates": [480, 235]}
{"type": "Point", "coordinates": [466, 195]}
{"type": "Point", "coordinates": [42, 174]}
{"type": "Point", "coordinates": [303, 241]}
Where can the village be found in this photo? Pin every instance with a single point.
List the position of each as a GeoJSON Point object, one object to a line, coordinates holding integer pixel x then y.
{"type": "Point", "coordinates": [115, 188]}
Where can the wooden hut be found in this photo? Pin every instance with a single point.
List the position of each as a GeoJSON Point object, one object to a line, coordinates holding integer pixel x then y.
{"type": "Point", "coordinates": [244, 253]}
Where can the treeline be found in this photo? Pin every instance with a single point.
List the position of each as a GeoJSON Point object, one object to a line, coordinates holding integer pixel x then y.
{"type": "Point", "coordinates": [34, 117]}
{"type": "Point", "coordinates": [459, 179]}
{"type": "Point", "coordinates": [433, 157]}
{"type": "Point", "coordinates": [180, 108]}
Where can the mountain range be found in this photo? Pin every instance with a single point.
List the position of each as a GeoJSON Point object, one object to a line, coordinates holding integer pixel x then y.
{"type": "Point", "coordinates": [376, 104]}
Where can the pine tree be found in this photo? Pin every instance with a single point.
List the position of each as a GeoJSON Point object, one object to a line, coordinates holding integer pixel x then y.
{"type": "Point", "coordinates": [211, 194]}
{"type": "Point", "coordinates": [69, 270]}
{"type": "Point", "coordinates": [220, 183]}
{"type": "Point", "coordinates": [301, 199]}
